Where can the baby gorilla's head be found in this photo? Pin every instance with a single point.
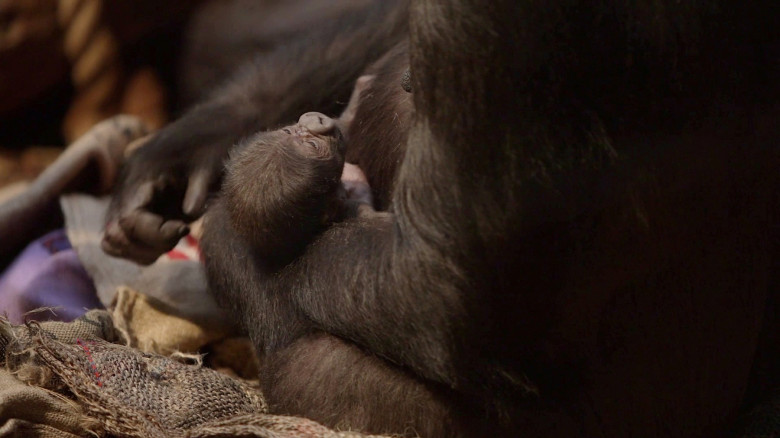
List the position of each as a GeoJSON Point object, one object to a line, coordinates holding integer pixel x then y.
{"type": "Point", "coordinates": [283, 187]}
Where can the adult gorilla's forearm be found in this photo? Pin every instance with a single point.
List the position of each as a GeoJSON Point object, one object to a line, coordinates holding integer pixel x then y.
{"type": "Point", "coordinates": [403, 288]}
{"type": "Point", "coordinates": [177, 168]}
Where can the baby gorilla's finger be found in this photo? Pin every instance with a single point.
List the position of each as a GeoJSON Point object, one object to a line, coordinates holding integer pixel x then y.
{"type": "Point", "coordinates": [152, 230]}
{"type": "Point", "coordinates": [356, 184]}
{"type": "Point", "coordinates": [358, 191]}
{"type": "Point", "coordinates": [353, 173]}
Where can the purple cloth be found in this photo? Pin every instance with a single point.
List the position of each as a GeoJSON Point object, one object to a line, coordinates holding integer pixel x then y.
{"type": "Point", "coordinates": [47, 273]}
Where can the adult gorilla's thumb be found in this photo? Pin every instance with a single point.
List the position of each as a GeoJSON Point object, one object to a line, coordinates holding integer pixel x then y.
{"type": "Point", "coordinates": [197, 192]}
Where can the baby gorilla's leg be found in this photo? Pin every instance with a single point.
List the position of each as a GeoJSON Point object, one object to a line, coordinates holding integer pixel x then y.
{"type": "Point", "coordinates": [336, 383]}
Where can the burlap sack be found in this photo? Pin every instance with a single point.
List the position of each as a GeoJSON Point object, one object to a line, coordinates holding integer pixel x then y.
{"type": "Point", "coordinates": [124, 392]}
{"type": "Point", "coordinates": [32, 412]}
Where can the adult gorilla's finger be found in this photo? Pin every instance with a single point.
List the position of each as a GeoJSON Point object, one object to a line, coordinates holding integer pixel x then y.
{"type": "Point", "coordinates": [136, 198]}
{"type": "Point", "coordinates": [114, 239]}
{"type": "Point", "coordinates": [140, 254]}
{"type": "Point", "coordinates": [197, 192]}
{"type": "Point", "coordinates": [116, 243]}
{"type": "Point", "coordinates": [152, 230]}
{"type": "Point", "coordinates": [174, 230]}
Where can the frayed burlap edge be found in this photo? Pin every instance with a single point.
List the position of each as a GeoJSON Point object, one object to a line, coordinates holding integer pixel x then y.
{"type": "Point", "coordinates": [19, 357]}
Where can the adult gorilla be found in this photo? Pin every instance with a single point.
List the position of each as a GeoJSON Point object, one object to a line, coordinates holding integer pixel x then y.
{"type": "Point", "coordinates": [583, 239]}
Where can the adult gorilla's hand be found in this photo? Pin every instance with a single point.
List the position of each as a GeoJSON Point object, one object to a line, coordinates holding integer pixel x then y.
{"type": "Point", "coordinates": [163, 186]}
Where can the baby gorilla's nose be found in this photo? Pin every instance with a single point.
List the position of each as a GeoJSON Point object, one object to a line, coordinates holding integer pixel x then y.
{"type": "Point", "coordinates": [317, 123]}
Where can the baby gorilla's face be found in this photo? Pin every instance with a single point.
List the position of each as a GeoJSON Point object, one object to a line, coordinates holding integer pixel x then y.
{"type": "Point", "coordinates": [306, 154]}
{"type": "Point", "coordinates": [315, 136]}
{"type": "Point", "coordinates": [293, 161]}
{"type": "Point", "coordinates": [292, 172]}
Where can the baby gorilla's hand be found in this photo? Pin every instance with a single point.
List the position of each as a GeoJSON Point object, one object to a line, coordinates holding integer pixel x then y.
{"type": "Point", "coordinates": [356, 184]}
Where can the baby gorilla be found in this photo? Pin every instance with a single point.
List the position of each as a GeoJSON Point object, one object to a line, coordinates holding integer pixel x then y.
{"type": "Point", "coordinates": [284, 187]}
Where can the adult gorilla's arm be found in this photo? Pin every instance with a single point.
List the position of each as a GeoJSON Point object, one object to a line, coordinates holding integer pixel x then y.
{"type": "Point", "coordinates": [405, 287]}
{"type": "Point", "coordinates": [168, 179]}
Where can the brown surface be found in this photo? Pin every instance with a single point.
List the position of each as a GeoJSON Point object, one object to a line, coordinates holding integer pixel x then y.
{"type": "Point", "coordinates": [26, 164]}
{"type": "Point", "coordinates": [37, 85]}
{"type": "Point", "coordinates": [30, 51]}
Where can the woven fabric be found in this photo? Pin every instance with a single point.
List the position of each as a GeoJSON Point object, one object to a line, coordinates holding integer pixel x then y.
{"type": "Point", "coordinates": [33, 412]}
{"type": "Point", "coordinates": [128, 393]}
{"type": "Point", "coordinates": [95, 324]}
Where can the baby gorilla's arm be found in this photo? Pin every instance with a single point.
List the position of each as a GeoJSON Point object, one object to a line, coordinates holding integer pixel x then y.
{"type": "Point", "coordinates": [358, 201]}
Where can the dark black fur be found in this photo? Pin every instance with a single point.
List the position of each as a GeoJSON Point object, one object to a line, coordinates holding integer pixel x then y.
{"type": "Point", "coordinates": [583, 239]}
{"type": "Point", "coordinates": [278, 196]}
{"type": "Point", "coordinates": [378, 133]}
{"type": "Point", "coordinates": [226, 33]}
{"type": "Point", "coordinates": [311, 71]}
